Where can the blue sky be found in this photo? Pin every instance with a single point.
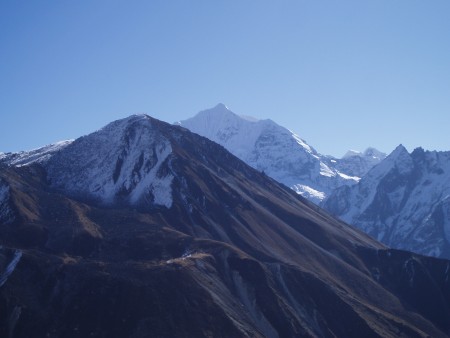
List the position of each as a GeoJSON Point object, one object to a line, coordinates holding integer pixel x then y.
{"type": "Point", "coordinates": [342, 74]}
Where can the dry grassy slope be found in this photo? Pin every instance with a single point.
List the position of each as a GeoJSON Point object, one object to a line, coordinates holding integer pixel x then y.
{"type": "Point", "coordinates": [237, 255]}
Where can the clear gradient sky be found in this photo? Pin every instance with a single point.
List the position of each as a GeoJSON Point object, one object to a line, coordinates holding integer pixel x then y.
{"type": "Point", "coordinates": [342, 74]}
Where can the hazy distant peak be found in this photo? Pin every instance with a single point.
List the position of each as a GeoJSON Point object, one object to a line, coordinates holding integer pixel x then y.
{"type": "Point", "coordinates": [374, 154]}
{"type": "Point", "coordinates": [220, 105]}
{"type": "Point", "coordinates": [369, 152]}
{"type": "Point", "coordinates": [352, 153]}
{"type": "Point", "coordinates": [220, 108]}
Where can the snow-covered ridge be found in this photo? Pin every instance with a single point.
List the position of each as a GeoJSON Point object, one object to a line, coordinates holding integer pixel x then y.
{"type": "Point", "coordinates": [120, 163]}
{"type": "Point", "coordinates": [269, 147]}
{"type": "Point", "coordinates": [403, 201]}
{"type": "Point", "coordinates": [38, 155]}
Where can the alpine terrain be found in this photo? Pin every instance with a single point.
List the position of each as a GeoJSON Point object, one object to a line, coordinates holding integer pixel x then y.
{"type": "Point", "coordinates": [357, 163]}
{"type": "Point", "coordinates": [280, 153]}
{"type": "Point", "coordinates": [144, 229]}
{"type": "Point", "coordinates": [403, 202]}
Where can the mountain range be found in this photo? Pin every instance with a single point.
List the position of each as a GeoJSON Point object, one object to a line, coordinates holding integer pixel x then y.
{"type": "Point", "coordinates": [145, 229]}
{"type": "Point", "coordinates": [280, 153]}
{"type": "Point", "coordinates": [404, 208]}
{"type": "Point", "coordinates": [403, 202]}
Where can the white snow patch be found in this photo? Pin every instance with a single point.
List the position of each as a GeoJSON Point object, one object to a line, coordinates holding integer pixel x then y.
{"type": "Point", "coordinates": [159, 187]}
{"type": "Point", "coordinates": [308, 192]}
{"type": "Point", "coordinates": [162, 191]}
{"type": "Point", "coordinates": [350, 178]}
{"type": "Point", "coordinates": [326, 171]}
{"type": "Point", "coordinates": [120, 162]}
{"type": "Point", "coordinates": [302, 143]}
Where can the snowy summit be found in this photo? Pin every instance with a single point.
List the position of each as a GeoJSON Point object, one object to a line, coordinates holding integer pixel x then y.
{"type": "Point", "coordinates": [269, 147]}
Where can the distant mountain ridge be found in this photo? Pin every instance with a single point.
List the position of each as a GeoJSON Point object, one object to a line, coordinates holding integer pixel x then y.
{"type": "Point", "coordinates": [264, 145]}
{"type": "Point", "coordinates": [403, 202]}
{"type": "Point", "coordinates": [280, 153]}
{"type": "Point", "coordinates": [357, 163]}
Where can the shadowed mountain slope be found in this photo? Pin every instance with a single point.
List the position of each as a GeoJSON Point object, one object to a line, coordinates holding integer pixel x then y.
{"type": "Point", "coordinates": [146, 229]}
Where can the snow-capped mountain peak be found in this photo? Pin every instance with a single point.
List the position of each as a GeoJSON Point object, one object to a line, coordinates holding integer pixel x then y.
{"type": "Point", "coordinates": [221, 107]}
{"type": "Point", "coordinates": [119, 163]}
{"type": "Point", "coordinates": [238, 134]}
{"type": "Point", "coordinates": [374, 153]}
{"type": "Point", "coordinates": [356, 163]}
{"type": "Point", "coordinates": [269, 147]}
{"type": "Point", "coordinates": [369, 152]}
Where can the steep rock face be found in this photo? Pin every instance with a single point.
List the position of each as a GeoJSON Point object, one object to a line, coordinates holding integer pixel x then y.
{"type": "Point", "coordinates": [235, 254]}
{"type": "Point", "coordinates": [273, 149]}
{"type": "Point", "coordinates": [403, 202]}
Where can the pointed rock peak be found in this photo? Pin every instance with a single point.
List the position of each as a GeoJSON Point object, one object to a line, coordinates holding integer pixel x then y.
{"type": "Point", "coordinates": [218, 109]}
{"type": "Point", "coordinates": [399, 151]}
{"type": "Point", "coordinates": [401, 159]}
